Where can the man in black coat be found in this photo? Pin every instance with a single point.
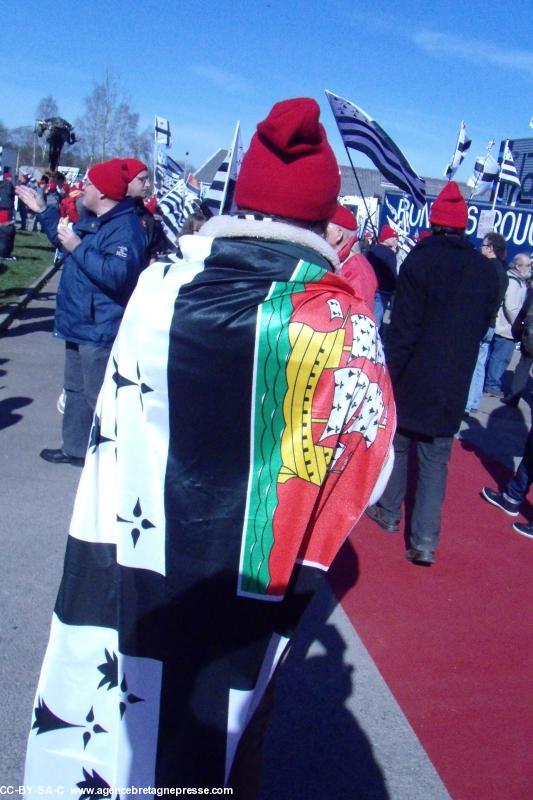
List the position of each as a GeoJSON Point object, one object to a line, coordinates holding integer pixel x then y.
{"type": "Point", "coordinates": [443, 305]}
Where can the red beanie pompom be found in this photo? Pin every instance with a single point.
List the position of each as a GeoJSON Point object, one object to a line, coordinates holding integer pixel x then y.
{"type": "Point", "coordinates": [344, 217]}
{"type": "Point", "coordinates": [289, 169]}
{"type": "Point", "coordinates": [110, 178]}
{"type": "Point", "coordinates": [449, 209]}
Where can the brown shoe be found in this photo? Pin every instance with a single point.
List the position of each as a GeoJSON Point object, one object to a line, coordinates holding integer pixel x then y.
{"type": "Point", "coordinates": [380, 518]}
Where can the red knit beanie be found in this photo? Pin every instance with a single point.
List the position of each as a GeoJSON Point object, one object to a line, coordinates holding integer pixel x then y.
{"type": "Point", "coordinates": [110, 178]}
{"type": "Point", "coordinates": [449, 209]}
{"type": "Point", "coordinates": [344, 217]}
{"type": "Point", "coordinates": [387, 232]}
{"type": "Point", "coordinates": [133, 167]}
{"type": "Point", "coordinates": [5, 216]}
{"type": "Point", "coordinates": [289, 169]}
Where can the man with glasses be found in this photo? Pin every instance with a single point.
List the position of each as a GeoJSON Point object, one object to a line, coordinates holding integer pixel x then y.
{"type": "Point", "coordinates": [494, 248]}
{"type": "Point", "coordinates": [138, 189]}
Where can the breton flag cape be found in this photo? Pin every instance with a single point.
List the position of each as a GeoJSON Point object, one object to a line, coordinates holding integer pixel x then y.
{"type": "Point", "coordinates": [244, 423]}
{"type": "Point", "coordinates": [219, 196]}
{"type": "Point", "coordinates": [361, 132]}
{"type": "Point", "coordinates": [162, 131]}
{"type": "Point", "coordinates": [486, 171]}
{"type": "Point", "coordinates": [463, 144]}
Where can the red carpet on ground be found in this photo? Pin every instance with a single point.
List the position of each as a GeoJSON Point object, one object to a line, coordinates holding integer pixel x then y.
{"type": "Point", "coordinates": [453, 641]}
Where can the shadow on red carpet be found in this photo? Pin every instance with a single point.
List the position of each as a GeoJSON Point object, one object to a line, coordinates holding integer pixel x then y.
{"type": "Point", "coordinates": [453, 641]}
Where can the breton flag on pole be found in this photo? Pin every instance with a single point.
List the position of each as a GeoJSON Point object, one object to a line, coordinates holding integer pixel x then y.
{"type": "Point", "coordinates": [175, 207]}
{"type": "Point", "coordinates": [463, 143]}
{"type": "Point", "coordinates": [486, 171]}
{"type": "Point", "coordinates": [219, 196]}
{"type": "Point", "coordinates": [162, 131]}
{"type": "Point", "coordinates": [509, 175]}
{"type": "Point", "coordinates": [361, 132]}
{"type": "Point", "coordinates": [167, 173]}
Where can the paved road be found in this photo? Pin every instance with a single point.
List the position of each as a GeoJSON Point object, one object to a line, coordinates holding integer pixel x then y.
{"type": "Point", "coordinates": [337, 730]}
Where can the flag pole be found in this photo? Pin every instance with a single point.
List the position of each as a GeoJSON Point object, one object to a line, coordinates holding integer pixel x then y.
{"type": "Point", "coordinates": [155, 154]}
{"type": "Point", "coordinates": [374, 231]}
{"type": "Point", "coordinates": [497, 187]}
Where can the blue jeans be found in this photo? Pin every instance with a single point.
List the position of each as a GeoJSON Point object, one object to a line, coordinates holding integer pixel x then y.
{"type": "Point", "coordinates": [478, 376]}
{"type": "Point", "coordinates": [518, 486]}
{"type": "Point", "coordinates": [381, 303]}
{"type": "Point", "coordinates": [500, 355]}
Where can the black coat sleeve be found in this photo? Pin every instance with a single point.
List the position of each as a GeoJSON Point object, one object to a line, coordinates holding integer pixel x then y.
{"type": "Point", "coordinates": [410, 302]}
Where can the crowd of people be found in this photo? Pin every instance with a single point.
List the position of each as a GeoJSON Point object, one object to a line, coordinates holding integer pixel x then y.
{"type": "Point", "coordinates": [242, 414]}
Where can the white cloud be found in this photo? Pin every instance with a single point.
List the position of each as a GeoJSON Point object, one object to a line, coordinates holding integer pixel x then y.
{"type": "Point", "coordinates": [474, 51]}
{"type": "Point", "coordinates": [222, 78]}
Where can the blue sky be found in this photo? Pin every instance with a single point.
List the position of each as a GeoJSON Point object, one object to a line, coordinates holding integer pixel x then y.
{"type": "Point", "coordinates": [417, 68]}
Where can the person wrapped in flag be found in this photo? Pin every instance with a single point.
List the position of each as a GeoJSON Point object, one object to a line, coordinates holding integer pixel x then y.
{"type": "Point", "coordinates": [244, 425]}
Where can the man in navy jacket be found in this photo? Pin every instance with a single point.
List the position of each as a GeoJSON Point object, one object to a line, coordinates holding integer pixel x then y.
{"type": "Point", "coordinates": [104, 257]}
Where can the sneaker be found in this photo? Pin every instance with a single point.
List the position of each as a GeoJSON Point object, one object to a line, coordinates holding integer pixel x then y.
{"type": "Point", "coordinates": [525, 528]}
{"type": "Point", "coordinates": [499, 499]}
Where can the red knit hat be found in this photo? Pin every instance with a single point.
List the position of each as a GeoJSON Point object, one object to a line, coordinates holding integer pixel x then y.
{"type": "Point", "coordinates": [387, 232]}
{"type": "Point", "coordinates": [133, 167]}
{"type": "Point", "coordinates": [289, 169]}
{"type": "Point", "coordinates": [5, 216]}
{"type": "Point", "coordinates": [110, 178]}
{"type": "Point", "coordinates": [449, 209]}
{"type": "Point", "coordinates": [344, 217]}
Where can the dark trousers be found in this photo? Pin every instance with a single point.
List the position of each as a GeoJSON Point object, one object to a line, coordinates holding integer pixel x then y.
{"type": "Point", "coordinates": [518, 486]}
{"type": "Point", "coordinates": [432, 455]}
{"type": "Point", "coordinates": [520, 376]}
{"type": "Point", "coordinates": [23, 212]}
{"type": "Point", "coordinates": [85, 367]}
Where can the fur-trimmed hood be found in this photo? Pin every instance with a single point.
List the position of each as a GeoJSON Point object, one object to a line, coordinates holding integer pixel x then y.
{"type": "Point", "coordinates": [225, 226]}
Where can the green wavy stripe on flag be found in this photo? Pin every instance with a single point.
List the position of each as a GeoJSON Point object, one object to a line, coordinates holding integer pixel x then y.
{"type": "Point", "coordinates": [271, 387]}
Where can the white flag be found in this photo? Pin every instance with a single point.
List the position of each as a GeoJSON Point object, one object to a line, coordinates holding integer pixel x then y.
{"type": "Point", "coordinates": [162, 131]}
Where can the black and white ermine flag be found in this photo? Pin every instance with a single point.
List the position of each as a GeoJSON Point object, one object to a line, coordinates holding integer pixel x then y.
{"type": "Point", "coordinates": [486, 171]}
{"type": "Point", "coordinates": [360, 132]}
{"type": "Point", "coordinates": [509, 176]}
{"type": "Point", "coordinates": [175, 207]}
{"type": "Point", "coordinates": [463, 144]}
{"type": "Point", "coordinates": [219, 196]}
